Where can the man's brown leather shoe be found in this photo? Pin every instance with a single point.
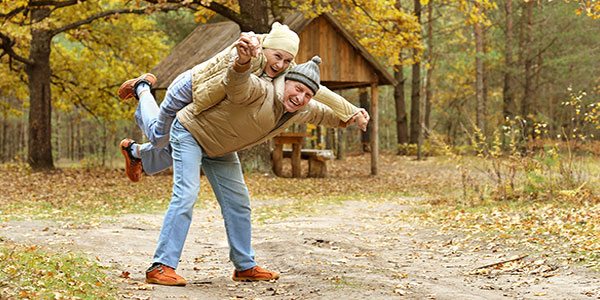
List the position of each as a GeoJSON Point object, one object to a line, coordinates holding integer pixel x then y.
{"type": "Point", "coordinates": [133, 166]}
{"type": "Point", "coordinates": [255, 274]}
{"type": "Point", "coordinates": [127, 89]}
{"type": "Point", "coordinates": [164, 275]}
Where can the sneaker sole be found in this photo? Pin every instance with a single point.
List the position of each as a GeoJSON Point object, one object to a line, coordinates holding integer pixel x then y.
{"type": "Point", "coordinates": [150, 281]}
{"type": "Point", "coordinates": [123, 94]}
{"type": "Point", "coordinates": [251, 279]}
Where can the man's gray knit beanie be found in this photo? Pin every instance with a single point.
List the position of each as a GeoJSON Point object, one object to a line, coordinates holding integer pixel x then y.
{"type": "Point", "coordinates": [307, 73]}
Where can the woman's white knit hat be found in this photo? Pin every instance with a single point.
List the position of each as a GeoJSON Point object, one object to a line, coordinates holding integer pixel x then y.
{"type": "Point", "coordinates": [281, 37]}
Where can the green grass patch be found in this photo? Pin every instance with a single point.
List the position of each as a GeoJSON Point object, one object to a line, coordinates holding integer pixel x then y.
{"type": "Point", "coordinates": [341, 282]}
{"type": "Point", "coordinates": [29, 272]}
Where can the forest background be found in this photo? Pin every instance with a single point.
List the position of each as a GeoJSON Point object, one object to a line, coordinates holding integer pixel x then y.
{"type": "Point", "coordinates": [498, 100]}
{"type": "Point", "coordinates": [474, 71]}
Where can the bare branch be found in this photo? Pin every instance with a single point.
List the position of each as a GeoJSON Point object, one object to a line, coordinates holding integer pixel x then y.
{"type": "Point", "coordinates": [104, 14]}
{"type": "Point", "coordinates": [13, 12]}
{"type": "Point", "coordinates": [66, 86]}
{"type": "Point", "coordinates": [216, 7]}
{"type": "Point", "coordinates": [7, 48]}
{"type": "Point", "coordinates": [223, 11]}
{"type": "Point", "coordinates": [56, 4]}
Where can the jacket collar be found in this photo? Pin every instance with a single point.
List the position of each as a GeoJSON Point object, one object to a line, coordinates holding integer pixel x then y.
{"type": "Point", "coordinates": [279, 85]}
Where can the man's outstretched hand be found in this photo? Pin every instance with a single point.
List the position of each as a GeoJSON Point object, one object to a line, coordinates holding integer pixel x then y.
{"type": "Point", "coordinates": [361, 118]}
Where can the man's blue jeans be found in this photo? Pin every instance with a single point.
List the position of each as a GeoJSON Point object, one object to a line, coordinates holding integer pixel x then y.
{"type": "Point", "coordinates": [225, 176]}
{"type": "Point", "coordinates": [156, 122]}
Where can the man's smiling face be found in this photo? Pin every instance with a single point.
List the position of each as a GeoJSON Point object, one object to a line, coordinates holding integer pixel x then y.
{"type": "Point", "coordinates": [296, 95]}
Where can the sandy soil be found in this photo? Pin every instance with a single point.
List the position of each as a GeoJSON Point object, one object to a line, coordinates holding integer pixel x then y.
{"type": "Point", "coordinates": [355, 250]}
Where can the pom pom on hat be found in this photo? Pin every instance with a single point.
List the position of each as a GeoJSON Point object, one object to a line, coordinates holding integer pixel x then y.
{"type": "Point", "coordinates": [281, 37]}
{"type": "Point", "coordinates": [307, 73]}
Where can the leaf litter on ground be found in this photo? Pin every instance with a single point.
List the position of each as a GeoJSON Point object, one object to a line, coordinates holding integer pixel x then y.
{"type": "Point", "coordinates": [566, 231]}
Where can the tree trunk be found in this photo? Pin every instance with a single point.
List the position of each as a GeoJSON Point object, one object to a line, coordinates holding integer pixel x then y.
{"type": "Point", "coordinates": [257, 158]}
{"type": "Point", "coordinates": [365, 136]}
{"type": "Point", "coordinates": [484, 81]}
{"type": "Point", "coordinates": [71, 151]}
{"type": "Point", "coordinates": [415, 103]}
{"type": "Point", "coordinates": [415, 98]}
{"type": "Point", "coordinates": [480, 114]}
{"type": "Point", "coordinates": [22, 144]}
{"type": "Point", "coordinates": [330, 140]}
{"type": "Point", "coordinates": [509, 106]}
{"type": "Point", "coordinates": [341, 150]}
{"type": "Point", "coordinates": [78, 142]}
{"type": "Point", "coordinates": [401, 120]}
{"type": "Point", "coordinates": [56, 145]}
{"type": "Point", "coordinates": [526, 110]}
{"type": "Point", "coordinates": [92, 148]}
{"type": "Point", "coordinates": [400, 99]}
{"type": "Point", "coordinates": [14, 131]}
{"type": "Point", "coordinates": [3, 139]}
{"type": "Point", "coordinates": [431, 63]}
{"type": "Point", "coordinates": [104, 143]}
{"type": "Point", "coordinates": [256, 16]}
{"type": "Point", "coordinates": [375, 129]}
{"type": "Point", "coordinates": [40, 110]}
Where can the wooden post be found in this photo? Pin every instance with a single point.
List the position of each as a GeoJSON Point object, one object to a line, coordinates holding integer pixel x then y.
{"type": "Point", "coordinates": [341, 153]}
{"type": "Point", "coordinates": [278, 159]}
{"type": "Point", "coordinates": [374, 129]}
{"type": "Point", "coordinates": [296, 140]}
{"type": "Point", "coordinates": [365, 137]}
{"type": "Point", "coordinates": [296, 167]}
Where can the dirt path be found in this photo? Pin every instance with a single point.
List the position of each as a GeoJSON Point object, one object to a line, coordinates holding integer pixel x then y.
{"type": "Point", "coordinates": [354, 251]}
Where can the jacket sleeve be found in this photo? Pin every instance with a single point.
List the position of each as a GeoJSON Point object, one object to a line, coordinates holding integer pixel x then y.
{"type": "Point", "coordinates": [320, 114]}
{"type": "Point", "coordinates": [207, 76]}
{"type": "Point", "coordinates": [244, 88]}
{"type": "Point", "coordinates": [342, 108]}
{"type": "Point", "coordinates": [211, 66]}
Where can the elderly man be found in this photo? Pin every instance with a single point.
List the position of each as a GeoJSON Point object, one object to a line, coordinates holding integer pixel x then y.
{"type": "Point", "coordinates": [254, 110]}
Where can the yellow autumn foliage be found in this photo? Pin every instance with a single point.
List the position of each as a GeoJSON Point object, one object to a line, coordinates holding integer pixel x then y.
{"type": "Point", "coordinates": [89, 61]}
{"type": "Point", "coordinates": [385, 30]}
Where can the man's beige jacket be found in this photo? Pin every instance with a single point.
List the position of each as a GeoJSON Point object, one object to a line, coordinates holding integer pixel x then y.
{"type": "Point", "coordinates": [249, 114]}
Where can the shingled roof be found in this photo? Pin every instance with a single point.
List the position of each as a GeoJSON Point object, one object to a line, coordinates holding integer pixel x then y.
{"type": "Point", "coordinates": [207, 40]}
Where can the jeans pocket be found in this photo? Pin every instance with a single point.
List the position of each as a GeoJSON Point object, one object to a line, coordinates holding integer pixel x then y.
{"type": "Point", "coordinates": [177, 131]}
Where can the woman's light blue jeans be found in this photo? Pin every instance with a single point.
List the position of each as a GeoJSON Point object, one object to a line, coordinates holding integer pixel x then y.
{"type": "Point", "coordinates": [156, 122]}
{"type": "Point", "coordinates": [225, 176]}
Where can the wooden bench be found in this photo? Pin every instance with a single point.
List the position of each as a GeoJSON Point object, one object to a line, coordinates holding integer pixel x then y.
{"type": "Point", "coordinates": [317, 160]}
{"type": "Point", "coordinates": [291, 138]}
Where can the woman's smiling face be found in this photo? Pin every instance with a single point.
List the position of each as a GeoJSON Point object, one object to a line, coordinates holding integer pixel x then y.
{"type": "Point", "coordinates": [277, 61]}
